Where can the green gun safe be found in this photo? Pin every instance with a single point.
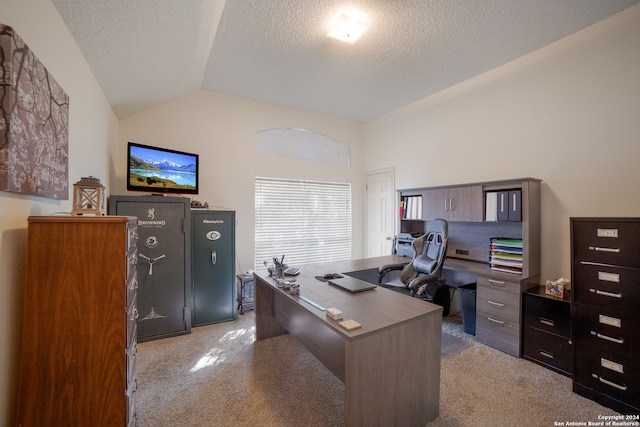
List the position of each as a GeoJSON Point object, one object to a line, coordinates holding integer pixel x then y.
{"type": "Point", "coordinates": [213, 266]}
{"type": "Point", "coordinates": [164, 262]}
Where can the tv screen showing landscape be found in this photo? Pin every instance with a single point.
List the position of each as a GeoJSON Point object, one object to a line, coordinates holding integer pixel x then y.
{"type": "Point", "coordinates": [161, 170]}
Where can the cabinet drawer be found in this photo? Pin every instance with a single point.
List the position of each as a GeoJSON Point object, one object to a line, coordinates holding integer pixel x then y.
{"type": "Point", "coordinates": [609, 374]}
{"type": "Point", "coordinates": [132, 416]}
{"type": "Point", "coordinates": [131, 371]}
{"type": "Point", "coordinates": [132, 288]}
{"type": "Point", "coordinates": [498, 284]}
{"type": "Point", "coordinates": [613, 287]}
{"type": "Point", "coordinates": [498, 333]}
{"type": "Point", "coordinates": [132, 234]}
{"type": "Point", "coordinates": [549, 349]}
{"type": "Point", "coordinates": [132, 316]}
{"type": "Point", "coordinates": [608, 330]}
{"type": "Point", "coordinates": [499, 304]}
{"type": "Point", "coordinates": [614, 242]}
{"type": "Point", "coordinates": [547, 315]}
{"type": "Point", "coordinates": [132, 262]}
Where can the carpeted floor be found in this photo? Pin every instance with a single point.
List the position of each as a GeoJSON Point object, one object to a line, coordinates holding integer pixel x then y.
{"type": "Point", "coordinates": [220, 376]}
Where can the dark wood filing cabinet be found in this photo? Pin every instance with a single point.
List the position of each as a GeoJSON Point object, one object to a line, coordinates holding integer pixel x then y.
{"type": "Point", "coordinates": [547, 330]}
{"type": "Point", "coordinates": [78, 363]}
{"type": "Point", "coordinates": [605, 255]}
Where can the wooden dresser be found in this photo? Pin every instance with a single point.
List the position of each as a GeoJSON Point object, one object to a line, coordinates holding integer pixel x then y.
{"type": "Point", "coordinates": [605, 320]}
{"type": "Point", "coordinates": [78, 363]}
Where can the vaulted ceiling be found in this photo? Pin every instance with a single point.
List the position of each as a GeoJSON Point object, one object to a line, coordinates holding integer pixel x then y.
{"type": "Point", "coordinates": [146, 52]}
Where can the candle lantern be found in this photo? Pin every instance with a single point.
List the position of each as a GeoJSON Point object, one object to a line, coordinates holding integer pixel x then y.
{"type": "Point", "coordinates": [88, 197]}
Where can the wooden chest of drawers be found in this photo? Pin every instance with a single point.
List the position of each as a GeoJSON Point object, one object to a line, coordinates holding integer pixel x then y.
{"type": "Point", "coordinates": [79, 338]}
{"type": "Point", "coordinates": [547, 331]}
{"type": "Point", "coordinates": [606, 293]}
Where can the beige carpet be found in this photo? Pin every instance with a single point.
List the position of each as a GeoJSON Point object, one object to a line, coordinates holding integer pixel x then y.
{"type": "Point", "coordinates": [219, 376]}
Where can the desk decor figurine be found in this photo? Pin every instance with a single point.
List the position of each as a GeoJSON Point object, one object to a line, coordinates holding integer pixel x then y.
{"type": "Point", "coordinates": [88, 197]}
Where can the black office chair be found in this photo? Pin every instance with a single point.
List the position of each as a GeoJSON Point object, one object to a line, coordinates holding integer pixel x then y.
{"type": "Point", "coordinates": [421, 278]}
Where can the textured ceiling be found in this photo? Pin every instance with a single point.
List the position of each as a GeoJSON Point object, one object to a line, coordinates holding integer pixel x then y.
{"type": "Point", "coordinates": [145, 52]}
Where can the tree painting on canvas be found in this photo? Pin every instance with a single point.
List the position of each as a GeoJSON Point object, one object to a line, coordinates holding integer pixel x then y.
{"type": "Point", "coordinates": [34, 123]}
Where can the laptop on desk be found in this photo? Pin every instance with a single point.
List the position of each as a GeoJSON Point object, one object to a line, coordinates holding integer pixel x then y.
{"type": "Point", "coordinates": [351, 284]}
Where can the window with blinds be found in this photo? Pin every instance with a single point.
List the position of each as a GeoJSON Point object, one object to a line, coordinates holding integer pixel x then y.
{"type": "Point", "coordinates": [307, 221]}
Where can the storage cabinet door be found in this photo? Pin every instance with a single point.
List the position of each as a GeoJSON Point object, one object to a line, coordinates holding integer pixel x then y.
{"type": "Point", "coordinates": [163, 280]}
{"type": "Point", "coordinates": [462, 204]}
{"type": "Point", "coordinates": [465, 204]}
{"type": "Point", "coordinates": [213, 269]}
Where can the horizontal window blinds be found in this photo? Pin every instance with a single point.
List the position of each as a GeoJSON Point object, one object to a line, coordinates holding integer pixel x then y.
{"type": "Point", "coordinates": [307, 221]}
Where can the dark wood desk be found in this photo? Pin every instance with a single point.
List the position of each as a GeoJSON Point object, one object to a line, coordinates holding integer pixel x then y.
{"type": "Point", "coordinates": [390, 366]}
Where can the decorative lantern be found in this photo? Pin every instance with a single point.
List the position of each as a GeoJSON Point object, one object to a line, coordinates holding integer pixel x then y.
{"type": "Point", "coordinates": [88, 197]}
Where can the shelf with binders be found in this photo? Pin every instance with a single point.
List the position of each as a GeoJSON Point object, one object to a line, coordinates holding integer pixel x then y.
{"type": "Point", "coordinates": [506, 255]}
{"type": "Point", "coordinates": [411, 207]}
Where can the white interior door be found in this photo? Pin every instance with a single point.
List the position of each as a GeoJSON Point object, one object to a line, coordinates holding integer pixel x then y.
{"type": "Point", "coordinates": [380, 208]}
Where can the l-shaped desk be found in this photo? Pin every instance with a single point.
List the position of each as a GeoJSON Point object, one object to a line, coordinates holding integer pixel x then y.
{"type": "Point", "coordinates": [390, 366]}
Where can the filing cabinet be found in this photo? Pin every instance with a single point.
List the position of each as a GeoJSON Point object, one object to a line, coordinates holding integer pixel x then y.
{"type": "Point", "coordinates": [606, 293]}
{"type": "Point", "coordinates": [79, 336]}
{"type": "Point", "coordinates": [547, 330]}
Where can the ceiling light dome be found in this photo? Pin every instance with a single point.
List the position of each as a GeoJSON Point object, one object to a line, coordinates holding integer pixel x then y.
{"type": "Point", "coordinates": [347, 29]}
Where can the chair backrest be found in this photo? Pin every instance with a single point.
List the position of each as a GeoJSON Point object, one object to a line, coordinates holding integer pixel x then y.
{"type": "Point", "coordinates": [430, 251]}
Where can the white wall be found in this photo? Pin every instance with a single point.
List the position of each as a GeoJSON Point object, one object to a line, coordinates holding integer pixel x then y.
{"type": "Point", "coordinates": [568, 114]}
{"type": "Point", "coordinates": [93, 130]}
{"type": "Point", "coordinates": [222, 130]}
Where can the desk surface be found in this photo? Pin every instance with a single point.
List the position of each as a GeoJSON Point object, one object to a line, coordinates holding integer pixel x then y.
{"type": "Point", "coordinates": [375, 310]}
{"type": "Point", "coordinates": [390, 366]}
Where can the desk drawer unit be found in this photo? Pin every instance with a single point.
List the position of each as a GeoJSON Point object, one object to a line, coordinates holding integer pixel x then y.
{"type": "Point", "coordinates": [498, 314]}
{"type": "Point", "coordinates": [606, 294]}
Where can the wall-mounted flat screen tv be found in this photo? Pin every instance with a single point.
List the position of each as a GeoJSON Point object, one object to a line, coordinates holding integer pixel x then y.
{"type": "Point", "coordinates": [161, 170]}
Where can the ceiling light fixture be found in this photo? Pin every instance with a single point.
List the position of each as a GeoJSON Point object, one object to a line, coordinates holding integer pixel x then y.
{"type": "Point", "coordinates": [347, 29]}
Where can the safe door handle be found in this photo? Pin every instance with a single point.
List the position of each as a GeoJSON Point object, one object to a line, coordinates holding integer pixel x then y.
{"type": "Point", "coordinates": [214, 257]}
{"type": "Point", "coordinates": [605, 293]}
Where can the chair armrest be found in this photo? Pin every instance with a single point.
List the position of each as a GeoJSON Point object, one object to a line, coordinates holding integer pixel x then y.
{"type": "Point", "coordinates": [384, 269]}
{"type": "Point", "coordinates": [415, 283]}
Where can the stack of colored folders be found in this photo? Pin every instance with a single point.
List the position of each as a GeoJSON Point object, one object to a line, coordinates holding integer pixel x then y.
{"type": "Point", "coordinates": [506, 255]}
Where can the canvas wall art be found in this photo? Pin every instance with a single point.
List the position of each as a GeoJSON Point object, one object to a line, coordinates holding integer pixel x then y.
{"type": "Point", "coordinates": [34, 123]}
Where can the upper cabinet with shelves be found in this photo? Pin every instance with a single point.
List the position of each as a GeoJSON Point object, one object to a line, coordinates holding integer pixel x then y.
{"type": "Point", "coordinates": [480, 211]}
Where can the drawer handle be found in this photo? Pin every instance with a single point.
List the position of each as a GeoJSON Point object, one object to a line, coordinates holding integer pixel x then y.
{"type": "Point", "coordinates": [605, 337]}
{"type": "Point", "coordinates": [547, 322]}
{"type": "Point", "coordinates": [609, 383]}
{"type": "Point", "coordinates": [546, 354]}
{"type": "Point", "coordinates": [496, 282]}
{"type": "Point", "coordinates": [605, 293]}
{"type": "Point", "coordinates": [599, 249]}
{"type": "Point", "coordinates": [496, 304]}
{"type": "Point", "coordinates": [499, 322]}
